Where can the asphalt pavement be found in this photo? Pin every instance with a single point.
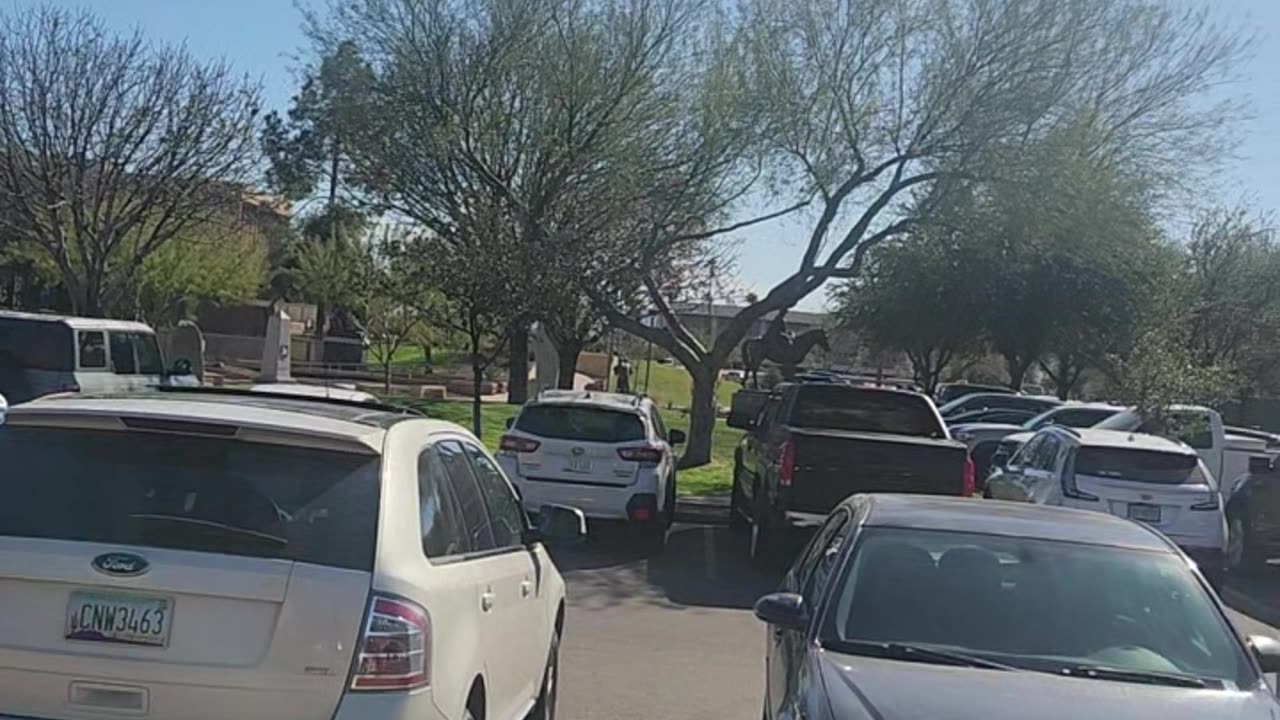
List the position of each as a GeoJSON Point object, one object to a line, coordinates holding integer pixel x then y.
{"type": "Point", "coordinates": [673, 637]}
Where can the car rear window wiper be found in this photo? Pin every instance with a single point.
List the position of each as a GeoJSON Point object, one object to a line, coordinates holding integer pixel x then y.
{"type": "Point", "coordinates": [223, 528]}
{"type": "Point", "coordinates": [916, 653]}
{"type": "Point", "coordinates": [1149, 677]}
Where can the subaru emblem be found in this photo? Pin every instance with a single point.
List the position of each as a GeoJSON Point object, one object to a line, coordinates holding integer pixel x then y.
{"type": "Point", "coordinates": [121, 564]}
{"type": "Point", "coordinates": [577, 451]}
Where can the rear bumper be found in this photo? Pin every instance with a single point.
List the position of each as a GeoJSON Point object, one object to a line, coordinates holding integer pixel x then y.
{"type": "Point", "coordinates": [601, 502]}
{"type": "Point", "coordinates": [416, 705]}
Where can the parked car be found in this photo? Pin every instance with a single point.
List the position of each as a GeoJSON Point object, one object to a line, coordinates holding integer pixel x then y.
{"type": "Point", "coordinates": [1271, 439]}
{"type": "Point", "coordinates": [1227, 456]}
{"type": "Point", "coordinates": [1002, 401]}
{"type": "Point", "coordinates": [813, 445]}
{"type": "Point", "coordinates": [1146, 478]}
{"type": "Point", "coordinates": [983, 439]}
{"type": "Point", "coordinates": [946, 392]}
{"type": "Point", "coordinates": [1253, 517]}
{"type": "Point", "coordinates": [44, 354]}
{"type": "Point", "coordinates": [1001, 416]}
{"type": "Point", "coordinates": [930, 607]}
{"type": "Point", "coordinates": [609, 454]}
{"type": "Point", "coordinates": [210, 556]}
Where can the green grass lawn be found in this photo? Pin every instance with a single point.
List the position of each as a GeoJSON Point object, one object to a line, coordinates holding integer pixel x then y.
{"type": "Point", "coordinates": [670, 385]}
{"type": "Point", "coordinates": [709, 479]}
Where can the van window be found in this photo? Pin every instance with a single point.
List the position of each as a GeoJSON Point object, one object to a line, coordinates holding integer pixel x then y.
{"type": "Point", "coordinates": [147, 351]}
{"type": "Point", "coordinates": [36, 345]}
{"type": "Point", "coordinates": [93, 350]}
{"type": "Point", "coordinates": [122, 361]}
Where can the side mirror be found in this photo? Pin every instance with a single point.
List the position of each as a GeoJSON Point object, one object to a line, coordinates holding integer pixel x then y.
{"type": "Point", "coordinates": [783, 610]}
{"type": "Point", "coordinates": [740, 421]}
{"type": "Point", "coordinates": [181, 368]}
{"type": "Point", "coordinates": [1261, 464]}
{"type": "Point", "coordinates": [561, 525]}
{"type": "Point", "coordinates": [677, 437]}
{"type": "Point", "coordinates": [511, 422]}
{"type": "Point", "coordinates": [1267, 650]}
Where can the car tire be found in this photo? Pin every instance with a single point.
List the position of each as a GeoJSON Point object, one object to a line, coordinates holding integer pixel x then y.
{"type": "Point", "coordinates": [548, 696]}
{"type": "Point", "coordinates": [737, 517]}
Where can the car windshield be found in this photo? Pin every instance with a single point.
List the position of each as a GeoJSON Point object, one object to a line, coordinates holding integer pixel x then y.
{"type": "Point", "coordinates": [1032, 604]}
{"type": "Point", "coordinates": [1143, 466]}
{"type": "Point", "coordinates": [864, 411]}
{"type": "Point", "coordinates": [189, 493]}
{"type": "Point", "coordinates": [584, 424]}
{"type": "Point", "coordinates": [1191, 426]}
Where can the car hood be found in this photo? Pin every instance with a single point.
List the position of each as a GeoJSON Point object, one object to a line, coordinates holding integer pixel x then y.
{"type": "Point", "coordinates": [861, 688]}
{"type": "Point", "coordinates": [1019, 437]}
{"type": "Point", "coordinates": [986, 427]}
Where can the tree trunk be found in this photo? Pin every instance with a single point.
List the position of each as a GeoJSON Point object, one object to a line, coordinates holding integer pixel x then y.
{"type": "Point", "coordinates": [702, 417]}
{"type": "Point", "coordinates": [568, 353]}
{"type": "Point", "coordinates": [518, 373]}
{"type": "Point", "coordinates": [386, 375]}
{"type": "Point", "coordinates": [1017, 368]}
{"type": "Point", "coordinates": [477, 379]}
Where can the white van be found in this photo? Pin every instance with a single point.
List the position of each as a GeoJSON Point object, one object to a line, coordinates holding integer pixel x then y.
{"type": "Point", "coordinates": [44, 354]}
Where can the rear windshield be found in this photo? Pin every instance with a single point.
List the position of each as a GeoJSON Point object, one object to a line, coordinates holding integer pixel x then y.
{"type": "Point", "coordinates": [864, 411]}
{"type": "Point", "coordinates": [586, 424]}
{"type": "Point", "coordinates": [36, 345]}
{"type": "Point", "coordinates": [1146, 466]}
{"type": "Point", "coordinates": [189, 493]}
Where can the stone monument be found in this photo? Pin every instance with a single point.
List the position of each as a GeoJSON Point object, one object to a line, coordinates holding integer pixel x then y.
{"type": "Point", "coordinates": [186, 348]}
{"type": "Point", "coordinates": [275, 350]}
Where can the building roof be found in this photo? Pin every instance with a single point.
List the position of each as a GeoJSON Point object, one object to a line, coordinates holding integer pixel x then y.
{"type": "Point", "coordinates": [1042, 522]}
{"type": "Point", "coordinates": [77, 323]}
{"type": "Point", "coordinates": [725, 312]}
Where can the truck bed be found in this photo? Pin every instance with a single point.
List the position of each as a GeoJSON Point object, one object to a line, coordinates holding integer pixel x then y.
{"type": "Point", "coordinates": [834, 464]}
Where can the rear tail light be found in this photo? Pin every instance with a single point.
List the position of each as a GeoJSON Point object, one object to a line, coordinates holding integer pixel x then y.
{"type": "Point", "coordinates": [1213, 503]}
{"type": "Point", "coordinates": [969, 482]}
{"type": "Point", "coordinates": [643, 455]}
{"type": "Point", "coordinates": [517, 444]}
{"type": "Point", "coordinates": [787, 464]}
{"type": "Point", "coordinates": [393, 648]}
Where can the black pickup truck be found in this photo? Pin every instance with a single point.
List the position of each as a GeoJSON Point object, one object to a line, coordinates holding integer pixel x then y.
{"type": "Point", "coordinates": [810, 445]}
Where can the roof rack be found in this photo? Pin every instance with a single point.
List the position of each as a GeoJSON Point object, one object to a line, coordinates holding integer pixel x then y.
{"type": "Point", "coordinates": [245, 392]}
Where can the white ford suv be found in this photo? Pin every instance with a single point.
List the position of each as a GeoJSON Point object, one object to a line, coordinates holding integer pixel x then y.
{"type": "Point", "coordinates": [202, 555]}
{"type": "Point", "coordinates": [1150, 479]}
{"type": "Point", "coordinates": [607, 453]}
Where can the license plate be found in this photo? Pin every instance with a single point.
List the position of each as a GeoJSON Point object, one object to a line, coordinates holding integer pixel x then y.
{"type": "Point", "coordinates": [579, 464]}
{"type": "Point", "coordinates": [119, 618]}
{"type": "Point", "coordinates": [1144, 513]}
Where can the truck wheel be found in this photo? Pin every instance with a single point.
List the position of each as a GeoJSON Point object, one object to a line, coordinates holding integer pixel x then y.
{"type": "Point", "coordinates": [737, 513]}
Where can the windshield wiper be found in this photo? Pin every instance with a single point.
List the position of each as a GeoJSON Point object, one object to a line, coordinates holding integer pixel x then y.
{"type": "Point", "coordinates": [916, 653]}
{"type": "Point", "coordinates": [211, 525]}
{"type": "Point", "coordinates": [1149, 677]}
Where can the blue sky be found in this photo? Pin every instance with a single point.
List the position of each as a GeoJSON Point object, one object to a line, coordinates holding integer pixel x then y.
{"type": "Point", "coordinates": [263, 38]}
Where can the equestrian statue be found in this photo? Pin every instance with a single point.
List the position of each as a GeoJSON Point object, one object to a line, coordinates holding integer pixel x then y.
{"type": "Point", "coordinates": [781, 346]}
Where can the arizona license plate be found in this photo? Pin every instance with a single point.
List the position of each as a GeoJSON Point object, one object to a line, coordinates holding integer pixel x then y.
{"type": "Point", "coordinates": [1144, 513]}
{"type": "Point", "coordinates": [119, 618]}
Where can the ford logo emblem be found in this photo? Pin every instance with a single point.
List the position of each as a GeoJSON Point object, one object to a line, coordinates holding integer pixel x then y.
{"type": "Point", "coordinates": [121, 564]}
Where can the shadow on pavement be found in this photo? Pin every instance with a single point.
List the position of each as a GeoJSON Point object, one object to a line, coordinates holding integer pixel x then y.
{"type": "Point", "coordinates": [703, 566]}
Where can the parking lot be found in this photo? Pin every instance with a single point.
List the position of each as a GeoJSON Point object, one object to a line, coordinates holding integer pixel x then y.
{"type": "Point", "coordinates": [674, 637]}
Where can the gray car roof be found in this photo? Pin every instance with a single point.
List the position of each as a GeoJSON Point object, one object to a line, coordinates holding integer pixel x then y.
{"type": "Point", "coordinates": [994, 517]}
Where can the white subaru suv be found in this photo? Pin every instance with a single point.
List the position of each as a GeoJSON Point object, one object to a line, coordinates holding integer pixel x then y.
{"type": "Point", "coordinates": [1153, 480]}
{"type": "Point", "coordinates": [202, 555]}
{"type": "Point", "coordinates": [606, 453]}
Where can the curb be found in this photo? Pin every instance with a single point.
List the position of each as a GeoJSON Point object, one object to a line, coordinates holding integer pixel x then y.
{"type": "Point", "coordinates": [713, 510]}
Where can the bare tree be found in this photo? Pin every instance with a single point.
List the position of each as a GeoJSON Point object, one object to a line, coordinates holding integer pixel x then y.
{"type": "Point", "coordinates": [877, 109]}
{"type": "Point", "coordinates": [111, 147]}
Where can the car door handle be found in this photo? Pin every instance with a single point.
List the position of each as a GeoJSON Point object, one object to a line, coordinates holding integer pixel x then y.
{"type": "Point", "coordinates": [526, 588]}
{"type": "Point", "coordinates": [486, 600]}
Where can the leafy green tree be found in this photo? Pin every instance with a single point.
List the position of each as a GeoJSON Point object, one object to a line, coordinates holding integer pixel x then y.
{"type": "Point", "coordinates": [223, 261]}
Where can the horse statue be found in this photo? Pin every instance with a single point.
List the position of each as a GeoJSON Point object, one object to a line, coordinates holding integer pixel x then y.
{"type": "Point", "coordinates": [781, 347]}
